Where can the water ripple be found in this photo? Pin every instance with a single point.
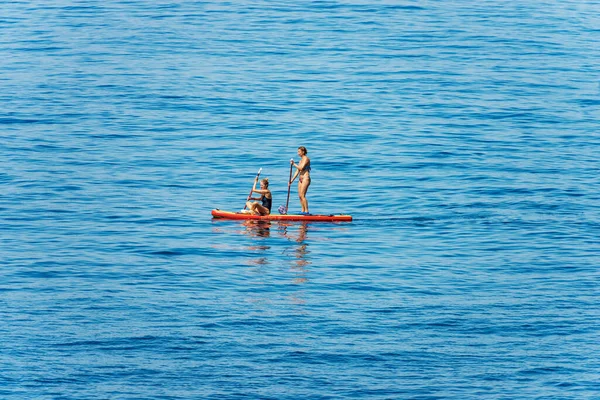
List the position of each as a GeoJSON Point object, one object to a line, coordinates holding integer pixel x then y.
{"type": "Point", "coordinates": [461, 137]}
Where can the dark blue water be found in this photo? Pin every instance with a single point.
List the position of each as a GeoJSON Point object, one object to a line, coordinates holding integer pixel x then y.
{"type": "Point", "coordinates": [463, 138]}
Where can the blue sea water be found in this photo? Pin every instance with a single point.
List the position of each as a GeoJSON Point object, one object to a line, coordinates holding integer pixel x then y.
{"type": "Point", "coordinates": [462, 136]}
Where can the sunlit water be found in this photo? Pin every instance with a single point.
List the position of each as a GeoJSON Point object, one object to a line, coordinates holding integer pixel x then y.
{"type": "Point", "coordinates": [462, 137]}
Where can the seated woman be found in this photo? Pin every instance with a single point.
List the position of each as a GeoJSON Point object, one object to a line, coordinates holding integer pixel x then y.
{"type": "Point", "coordinates": [264, 207]}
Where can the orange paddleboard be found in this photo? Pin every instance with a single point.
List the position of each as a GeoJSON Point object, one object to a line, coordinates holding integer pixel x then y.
{"type": "Point", "coordinates": [216, 213]}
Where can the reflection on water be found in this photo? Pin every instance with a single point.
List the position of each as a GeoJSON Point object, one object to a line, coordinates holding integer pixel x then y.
{"type": "Point", "coordinates": [295, 233]}
{"type": "Point", "coordinates": [301, 251]}
{"type": "Point", "coordinates": [258, 228]}
{"type": "Point", "coordinates": [300, 237]}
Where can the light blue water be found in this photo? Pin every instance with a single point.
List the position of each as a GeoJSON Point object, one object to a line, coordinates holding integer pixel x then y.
{"type": "Point", "coordinates": [463, 138]}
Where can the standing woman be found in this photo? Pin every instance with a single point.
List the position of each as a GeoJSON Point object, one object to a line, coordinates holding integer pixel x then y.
{"type": "Point", "coordinates": [264, 207]}
{"type": "Point", "coordinates": [303, 174]}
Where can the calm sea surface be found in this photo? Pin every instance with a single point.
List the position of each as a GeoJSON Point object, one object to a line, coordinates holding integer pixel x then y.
{"type": "Point", "coordinates": [462, 136]}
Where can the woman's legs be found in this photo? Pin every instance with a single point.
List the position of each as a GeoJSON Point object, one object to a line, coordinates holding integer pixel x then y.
{"type": "Point", "coordinates": [303, 185]}
{"type": "Point", "coordinates": [257, 208]}
{"type": "Point", "coordinates": [261, 209]}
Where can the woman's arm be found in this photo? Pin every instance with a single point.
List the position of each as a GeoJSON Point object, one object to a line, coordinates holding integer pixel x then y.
{"type": "Point", "coordinates": [294, 177]}
{"type": "Point", "coordinates": [299, 167]}
{"type": "Point", "coordinates": [302, 163]}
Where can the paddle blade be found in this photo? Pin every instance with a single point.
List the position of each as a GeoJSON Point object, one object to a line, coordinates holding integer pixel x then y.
{"type": "Point", "coordinates": [282, 209]}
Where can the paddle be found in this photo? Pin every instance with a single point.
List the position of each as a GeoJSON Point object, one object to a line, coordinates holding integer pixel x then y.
{"type": "Point", "coordinates": [282, 209]}
{"type": "Point", "coordinates": [251, 190]}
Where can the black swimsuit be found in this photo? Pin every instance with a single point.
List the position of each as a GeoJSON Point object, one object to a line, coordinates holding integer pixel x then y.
{"type": "Point", "coordinates": [266, 202]}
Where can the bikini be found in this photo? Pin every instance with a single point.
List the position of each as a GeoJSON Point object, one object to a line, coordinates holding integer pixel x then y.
{"type": "Point", "coordinates": [306, 169]}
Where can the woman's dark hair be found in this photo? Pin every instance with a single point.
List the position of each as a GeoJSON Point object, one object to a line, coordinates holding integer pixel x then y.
{"type": "Point", "coordinates": [303, 150]}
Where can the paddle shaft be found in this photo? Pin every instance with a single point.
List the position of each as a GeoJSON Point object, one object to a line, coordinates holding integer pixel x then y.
{"type": "Point", "coordinates": [251, 190]}
{"type": "Point", "coordinates": [289, 188]}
